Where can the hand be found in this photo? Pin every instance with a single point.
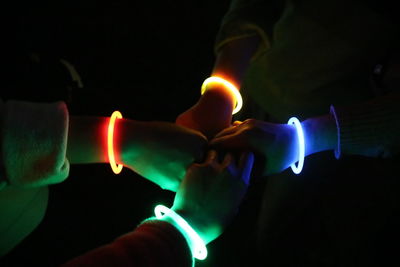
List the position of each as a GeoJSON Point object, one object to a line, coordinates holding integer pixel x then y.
{"type": "Point", "coordinates": [211, 193]}
{"type": "Point", "coordinates": [161, 151]}
{"type": "Point", "coordinates": [211, 114]}
{"type": "Point", "coordinates": [275, 146]}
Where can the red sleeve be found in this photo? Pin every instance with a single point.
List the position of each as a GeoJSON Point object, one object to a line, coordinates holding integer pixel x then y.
{"type": "Point", "coordinates": [153, 243]}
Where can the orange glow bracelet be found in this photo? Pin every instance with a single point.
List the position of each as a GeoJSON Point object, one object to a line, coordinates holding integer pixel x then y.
{"type": "Point", "coordinates": [228, 85]}
{"type": "Point", "coordinates": [117, 168]}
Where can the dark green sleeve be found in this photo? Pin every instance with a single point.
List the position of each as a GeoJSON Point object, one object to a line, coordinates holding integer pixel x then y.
{"type": "Point", "coordinates": [249, 17]}
{"type": "Point", "coordinates": [372, 128]}
{"type": "Point", "coordinates": [21, 211]}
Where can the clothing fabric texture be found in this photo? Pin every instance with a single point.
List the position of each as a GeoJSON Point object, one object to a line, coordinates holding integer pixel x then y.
{"type": "Point", "coordinates": [153, 243]}
{"type": "Point", "coordinates": [33, 146]}
{"type": "Point", "coordinates": [33, 151]}
{"type": "Point", "coordinates": [314, 55]}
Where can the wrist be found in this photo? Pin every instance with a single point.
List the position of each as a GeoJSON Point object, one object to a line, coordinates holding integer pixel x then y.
{"type": "Point", "coordinates": [87, 139]}
{"type": "Point", "coordinates": [127, 141]}
{"type": "Point", "coordinates": [200, 224]}
{"type": "Point", "coordinates": [218, 95]}
{"type": "Point", "coordinates": [320, 134]}
{"type": "Point", "coordinates": [194, 239]}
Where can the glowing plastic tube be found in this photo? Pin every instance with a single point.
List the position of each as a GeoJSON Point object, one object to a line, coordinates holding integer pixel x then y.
{"type": "Point", "coordinates": [111, 157]}
{"type": "Point", "coordinates": [302, 148]}
{"type": "Point", "coordinates": [228, 85]}
{"type": "Point", "coordinates": [198, 247]}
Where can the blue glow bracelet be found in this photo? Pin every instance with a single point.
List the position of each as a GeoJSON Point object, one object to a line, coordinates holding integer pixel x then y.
{"type": "Point", "coordinates": [197, 245]}
{"type": "Point", "coordinates": [302, 147]}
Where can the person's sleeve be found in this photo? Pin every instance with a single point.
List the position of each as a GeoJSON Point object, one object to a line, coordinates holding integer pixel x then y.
{"type": "Point", "coordinates": [369, 129]}
{"type": "Point", "coordinates": [3, 181]}
{"type": "Point", "coordinates": [33, 143]}
{"type": "Point", "coordinates": [246, 18]}
{"type": "Point", "coordinates": [33, 139]}
{"type": "Point", "coordinates": [153, 243]}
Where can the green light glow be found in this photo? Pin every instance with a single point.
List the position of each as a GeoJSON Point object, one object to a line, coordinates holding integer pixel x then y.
{"type": "Point", "coordinates": [197, 245]}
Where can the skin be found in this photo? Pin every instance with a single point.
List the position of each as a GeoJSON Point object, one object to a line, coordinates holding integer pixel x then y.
{"type": "Point", "coordinates": [159, 151]}
{"type": "Point", "coordinates": [211, 193]}
{"type": "Point", "coordinates": [213, 112]}
{"type": "Point", "coordinates": [274, 145]}
{"type": "Point", "coordinates": [166, 154]}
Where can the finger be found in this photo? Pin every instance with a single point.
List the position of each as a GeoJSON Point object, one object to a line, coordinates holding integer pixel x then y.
{"type": "Point", "coordinates": [227, 131]}
{"type": "Point", "coordinates": [246, 164]}
{"type": "Point", "coordinates": [227, 160]}
{"type": "Point", "coordinates": [230, 141]}
{"type": "Point", "coordinates": [211, 157]}
{"type": "Point", "coordinates": [236, 123]}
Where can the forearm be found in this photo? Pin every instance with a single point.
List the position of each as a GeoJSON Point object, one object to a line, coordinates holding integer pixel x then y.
{"type": "Point", "coordinates": [231, 64]}
{"type": "Point", "coordinates": [234, 59]}
{"type": "Point", "coordinates": [320, 134]}
{"type": "Point", "coordinates": [87, 139]}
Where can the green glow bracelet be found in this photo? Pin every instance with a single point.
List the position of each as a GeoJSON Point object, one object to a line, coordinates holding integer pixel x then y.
{"type": "Point", "coordinates": [197, 245]}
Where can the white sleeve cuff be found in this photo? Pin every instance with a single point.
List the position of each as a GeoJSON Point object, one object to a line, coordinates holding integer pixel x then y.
{"type": "Point", "coordinates": [34, 143]}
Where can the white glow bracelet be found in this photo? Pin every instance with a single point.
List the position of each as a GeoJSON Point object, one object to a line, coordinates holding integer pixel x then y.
{"type": "Point", "coordinates": [198, 247]}
{"type": "Point", "coordinates": [302, 148]}
{"type": "Point", "coordinates": [228, 85]}
{"type": "Point", "coordinates": [110, 142]}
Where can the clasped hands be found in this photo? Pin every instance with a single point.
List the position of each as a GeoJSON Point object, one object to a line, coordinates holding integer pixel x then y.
{"type": "Point", "coordinates": [207, 161]}
{"type": "Point", "coordinates": [162, 152]}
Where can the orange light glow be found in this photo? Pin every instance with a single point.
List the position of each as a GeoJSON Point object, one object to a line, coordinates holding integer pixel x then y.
{"type": "Point", "coordinates": [232, 88]}
{"type": "Point", "coordinates": [117, 168]}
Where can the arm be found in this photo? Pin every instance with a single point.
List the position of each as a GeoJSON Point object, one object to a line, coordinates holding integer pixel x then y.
{"type": "Point", "coordinates": [234, 58]}
{"type": "Point", "coordinates": [244, 34]}
{"type": "Point", "coordinates": [369, 129]}
{"type": "Point", "coordinates": [213, 111]}
{"type": "Point", "coordinates": [158, 151]}
{"type": "Point", "coordinates": [204, 202]}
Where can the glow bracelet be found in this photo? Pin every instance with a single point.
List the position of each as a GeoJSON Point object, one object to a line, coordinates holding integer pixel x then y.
{"type": "Point", "coordinates": [302, 148]}
{"type": "Point", "coordinates": [197, 245]}
{"type": "Point", "coordinates": [228, 85]}
{"type": "Point", "coordinates": [110, 144]}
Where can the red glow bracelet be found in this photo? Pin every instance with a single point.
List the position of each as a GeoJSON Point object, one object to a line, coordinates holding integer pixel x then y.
{"type": "Point", "coordinates": [117, 168]}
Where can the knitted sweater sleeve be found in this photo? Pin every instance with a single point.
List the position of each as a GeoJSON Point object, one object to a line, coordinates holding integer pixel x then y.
{"type": "Point", "coordinates": [370, 129]}
{"type": "Point", "coordinates": [247, 18]}
{"type": "Point", "coordinates": [153, 243]}
{"type": "Point", "coordinates": [33, 143]}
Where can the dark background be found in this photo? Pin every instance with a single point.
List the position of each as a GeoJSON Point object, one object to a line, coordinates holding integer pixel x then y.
{"type": "Point", "coordinates": [144, 58]}
{"type": "Point", "coordinates": [148, 60]}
